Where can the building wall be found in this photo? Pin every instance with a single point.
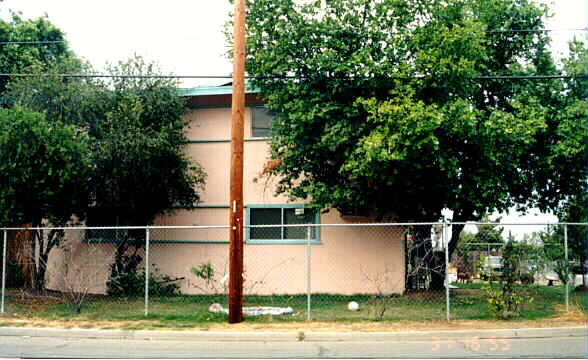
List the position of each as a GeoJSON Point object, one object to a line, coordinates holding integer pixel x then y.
{"type": "Point", "coordinates": [347, 260]}
{"type": "Point", "coordinates": [78, 266]}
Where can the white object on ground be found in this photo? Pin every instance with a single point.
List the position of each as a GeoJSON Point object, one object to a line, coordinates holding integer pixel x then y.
{"type": "Point", "coordinates": [216, 307]}
{"type": "Point", "coordinates": [255, 310]}
{"type": "Point", "coordinates": [353, 306]}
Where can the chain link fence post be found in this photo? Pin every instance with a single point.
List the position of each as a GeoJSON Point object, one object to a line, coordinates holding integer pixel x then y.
{"type": "Point", "coordinates": [146, 271]}
{"type": "Point", "coordinates": [4, 245]}
{"type": "Point", "coordinates": [308, 274]}
{"type": "Point", "coordinates": [446, 245]}
{"type": "Point", "coordinates": [567, 265]}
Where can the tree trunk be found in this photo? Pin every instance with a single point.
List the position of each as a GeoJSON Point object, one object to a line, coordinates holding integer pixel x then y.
{"type": "Point", "coordinates": [18, 254]}
{"type": "Point", "coordinates": [438, 276]}
{"type": "Point", "coordinates": [34, 261]}
{"type": "Point", "coordinates": [41, 250]}
{"type": "Point", "coordinates": [417, 251]}
{"type": "Point", "coordinates": [455, 232]}
{"type": "Point", "coordinates": [39, 274]}
{"type": "Point", "coordinates": [39, 256]}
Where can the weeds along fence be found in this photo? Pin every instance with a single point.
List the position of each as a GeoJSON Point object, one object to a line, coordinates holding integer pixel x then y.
{"type": "Point", "coordinates": [309, 271]}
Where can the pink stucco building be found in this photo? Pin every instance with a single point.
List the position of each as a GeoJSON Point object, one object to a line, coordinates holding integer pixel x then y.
{"type": "Point", "coordinates": [345, 259]}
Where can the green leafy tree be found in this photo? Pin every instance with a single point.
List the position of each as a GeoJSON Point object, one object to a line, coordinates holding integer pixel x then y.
{"type": "Point", "coordinates": [559, 156]}
{"type": "Point", "coordinates": [139, 137]}
{"type": "Point", "coordinates": [489, 233]}
{"type": "Point", "coordinates": [136, 134]}
{"type": "Point", "coordinates": [136, 130]}
{"type": "Point", "coordinates": [18, 56]}
{"type": "Point", "coordinates": [44, 175]}
{"type": "Point", "coordinates": [472, 245]}
{"type": "Point", "coordinates": [379, 108]}
{"type": "Point", "coordinates": [569, 155]}
{"type": "Point", "coordinates": [567, 159]}
{"type": "Point", "coordinates": [486, 233]}
{"type": "Point", "coordinates": [80, 101]}
{"type": "Point", "coordinates": [466, 238]}
{"type": "Point", "coordinates": [141, 169]}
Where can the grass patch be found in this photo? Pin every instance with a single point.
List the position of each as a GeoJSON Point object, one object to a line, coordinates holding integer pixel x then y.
{"type": "Point", "coordinates": [469, 302]}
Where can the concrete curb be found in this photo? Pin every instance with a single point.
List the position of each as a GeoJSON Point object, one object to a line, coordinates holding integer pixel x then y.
{"type": "Point", "coordinates": [294, 336]}
{"type": "Point", "coordinates": [449, 334]}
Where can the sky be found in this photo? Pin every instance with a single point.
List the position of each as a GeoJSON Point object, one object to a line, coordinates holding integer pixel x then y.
{"type": "Point", "coordinates": [186, 36]}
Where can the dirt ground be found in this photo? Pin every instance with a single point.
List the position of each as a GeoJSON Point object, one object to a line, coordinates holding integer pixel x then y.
{"type": "Point", "coordinates": [572, 319]}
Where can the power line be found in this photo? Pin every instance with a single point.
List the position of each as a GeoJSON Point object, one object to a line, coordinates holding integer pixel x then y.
{"type": "Point", "coordinates": [118, 76]}
{"type": "Point", "coordinates": [534, 30]}
{"type": "Point", "coordinates": [529, 77]}
{"type": "Point", "coordinates": [32, 42]}
{"type": "Point", "coordinates": [47, 42]}
{"type": "Point", "coordinates": [287, 77]}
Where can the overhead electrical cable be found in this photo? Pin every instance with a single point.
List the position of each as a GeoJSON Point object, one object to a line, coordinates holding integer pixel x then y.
{"type": "Point", "coordinates": [32, 42]}
{"type": "Point", "coordinates": [287, 77]}
{"type": "Point", "coordinates": [533, 30]}
{"type": "Point", "coordinates": [47, 42]}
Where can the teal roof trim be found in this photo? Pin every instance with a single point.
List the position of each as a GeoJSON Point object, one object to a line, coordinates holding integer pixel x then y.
{"type": "Point", "coordinates": [213, 90]}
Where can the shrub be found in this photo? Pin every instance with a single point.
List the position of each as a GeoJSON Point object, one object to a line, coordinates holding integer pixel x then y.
{"type": "Point", "coordinates": [132, 283]}
{"type": "Point", "coordinates": [503, 303]}
{"type": "Point", "coordinates": [504, 299]}
{"type": "Point", "coordinates": [527, 279]}
{"type": "Point", "coordinates": [212, 284]}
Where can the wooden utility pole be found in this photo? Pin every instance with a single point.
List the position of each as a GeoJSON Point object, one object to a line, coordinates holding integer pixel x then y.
{"type": "Point", "coordinates": [236, 216]}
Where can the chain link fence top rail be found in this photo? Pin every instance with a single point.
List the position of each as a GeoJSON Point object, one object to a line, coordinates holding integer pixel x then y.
{"type": "Point", "coordinates": [327, 272]}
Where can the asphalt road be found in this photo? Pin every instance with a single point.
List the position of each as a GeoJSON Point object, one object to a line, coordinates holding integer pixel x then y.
{"type": "Point", "coordinates": [435, 347]}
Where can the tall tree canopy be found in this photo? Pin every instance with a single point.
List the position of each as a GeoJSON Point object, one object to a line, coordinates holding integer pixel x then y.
{"type": "Point", "coordinates": [17, 53]}
{"type": "Point", "coordinates": [401, 108]}
{"type": "Point", "coordinates": [44, 176]}
{"type": "Point", "coordinates": [135, 165]}
{"type": "Point", "coordinates": [113, 152]}
{"type": "Point", "coordinates": [136, 130]}
{"type": "Point", "coordinates": [141, 168]}
{"type": "Point", "coordinates": [44, 169]}
{"type": "Point", "coordinates": [380, 106]}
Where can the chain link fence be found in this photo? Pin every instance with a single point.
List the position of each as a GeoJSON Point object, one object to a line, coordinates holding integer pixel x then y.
{"type": "Point", "coordinates": [498, 271]}
{"type": "Point", "coordinates": [326, 272]}
{"type": "Point", "coordinates": [57, 272]}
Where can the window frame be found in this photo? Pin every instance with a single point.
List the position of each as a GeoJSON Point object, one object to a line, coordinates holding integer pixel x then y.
{"type": "Point", "coordinates": [252, 117]}
{"type": "Point", "coordinates": [248, 240]}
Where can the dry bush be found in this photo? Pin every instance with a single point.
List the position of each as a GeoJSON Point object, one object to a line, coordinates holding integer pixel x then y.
{"type": "Point", "coordinates": [84, 266]}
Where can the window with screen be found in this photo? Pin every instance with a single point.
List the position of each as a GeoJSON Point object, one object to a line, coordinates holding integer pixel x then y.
{"type": "Point", "coordinates": [280, 216]}
{"type": "Point", "coordinates": [261, 122]}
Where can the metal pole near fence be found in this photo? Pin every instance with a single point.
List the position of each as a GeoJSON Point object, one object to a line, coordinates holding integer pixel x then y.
{"type": "Point", "coordinates": [3, 271]}
{"type": "Point", "coordinates": [567, 264]}
{"type": "Point", "coordinates": [308, 288]}
{"type": "Point", "coordinates": [146, 271]}
{"type": "Point", "coordinates": [446, 245]}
